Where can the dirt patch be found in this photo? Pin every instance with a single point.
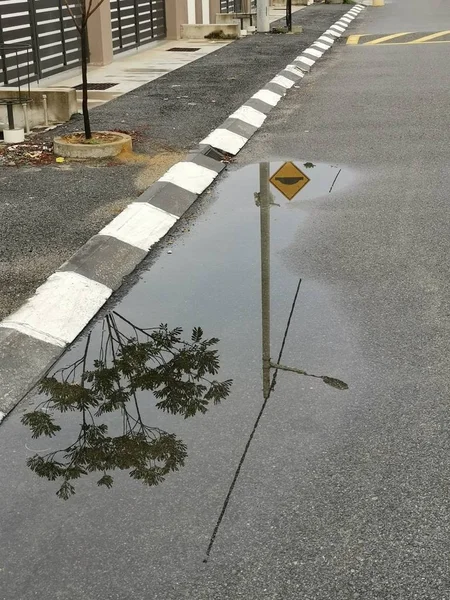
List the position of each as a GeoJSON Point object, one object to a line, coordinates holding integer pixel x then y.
{"type": "Point", "coordinates": [153, 166]}
{"type": "Point", "coordinates": [26, 153]}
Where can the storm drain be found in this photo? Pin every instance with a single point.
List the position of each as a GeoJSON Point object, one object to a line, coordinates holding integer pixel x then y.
{"type": "Point", "coordinates": [182, 49]}
{"type": "Point", "coordinates": [96, 86]}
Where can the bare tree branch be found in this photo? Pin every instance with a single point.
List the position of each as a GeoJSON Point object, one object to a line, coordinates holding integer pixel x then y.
{"type": "Point", "coordinates": [74, 19]}
{"type": "Point", "coordinates": [91, 11]}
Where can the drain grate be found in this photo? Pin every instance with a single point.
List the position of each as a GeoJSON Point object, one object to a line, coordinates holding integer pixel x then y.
{"type": "Point", "coordinates": [183, 49]}
{"type": "Point", "coordinates": [96, 86]}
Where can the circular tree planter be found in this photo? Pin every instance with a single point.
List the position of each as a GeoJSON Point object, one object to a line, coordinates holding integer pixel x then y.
{"type": "Point", "coordinates": [104, 144]}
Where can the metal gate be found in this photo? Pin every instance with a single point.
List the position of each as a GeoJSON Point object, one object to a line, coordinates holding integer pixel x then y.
{"type": "Point", "coordinates": [48, 27]}
{"type": "Point", "coordinates": [137, 22]}
{"type": "Point", "coordinates": [235, 6]}
{"type": "Point", "coordinates": [229, 6]}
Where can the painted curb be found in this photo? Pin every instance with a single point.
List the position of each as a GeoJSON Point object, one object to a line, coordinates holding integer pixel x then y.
{"type": "Point", "coordinates": [33, 337]}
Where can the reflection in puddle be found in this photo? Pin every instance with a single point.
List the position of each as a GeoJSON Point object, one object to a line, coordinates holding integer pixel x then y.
{"type": "Point", "coordinates": [178, 373]}
{"type": "Point", "coordinates": [127, 368]}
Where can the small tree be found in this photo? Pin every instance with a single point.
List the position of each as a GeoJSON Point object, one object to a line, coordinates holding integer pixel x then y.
{"type": "Point", "coordinates": [85, 10]}
{"type": "Point", "coordinates": [174, 372]}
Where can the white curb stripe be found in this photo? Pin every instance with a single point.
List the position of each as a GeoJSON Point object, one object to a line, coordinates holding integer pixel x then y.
{"type": "Point", "coordinates": [249, 115]}
{"type": "Point", "coordinates": [335, 33]}
{"type": "Point", "coordinates": [346, 19]}
{"type": "Point", "coordinates": [326, 39]}
{"type": "Point", "coordinates": [295, 70]}
{"type": "Point", "coordinates": [321, 46]}
{"type": "Point", "coordinates": [338, 28]}
{"type": "Point", "coordinates": [313, 52]}
{"type": "Point", "coordinates": [140, 225]}
{"type": "Point", "coordinates": [190, 176]}
{"type": "Point", "coordinates": [60, 308]}
{"type": "Point", "coordinates": [306, 60]}
{"type": "Point", "coordinates": [267, 96]}
{"type": "Point", "coordinates": [283, 81]}
{"type": "Point", "coordinates": [2, 416]}
{"type": "Point", "coordinates": [344, 25]}
{"type": "Point", "coordinates": [225, 140]}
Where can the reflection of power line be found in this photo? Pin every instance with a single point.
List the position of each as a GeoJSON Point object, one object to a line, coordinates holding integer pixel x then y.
{"type": "Point", "coordinates": [286, 331]}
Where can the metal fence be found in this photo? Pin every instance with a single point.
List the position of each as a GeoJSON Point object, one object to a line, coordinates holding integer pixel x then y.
{"type": "Point", "coordinates": [236, 6]}
{"type": "Point", "coordinates": [136, 22]}
{"type": "Point", "coordinates": [48, 27]}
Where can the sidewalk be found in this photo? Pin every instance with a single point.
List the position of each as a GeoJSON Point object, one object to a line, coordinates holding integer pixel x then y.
{"type": "Point", "coordinates": [48, 211]}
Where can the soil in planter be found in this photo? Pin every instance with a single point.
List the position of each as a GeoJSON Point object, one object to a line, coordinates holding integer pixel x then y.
{"type": "Point", "coordinates": [98, 137]}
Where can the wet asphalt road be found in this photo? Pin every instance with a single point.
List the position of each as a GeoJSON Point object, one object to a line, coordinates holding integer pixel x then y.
{"type": "Point", "coordinates": [343, 494]}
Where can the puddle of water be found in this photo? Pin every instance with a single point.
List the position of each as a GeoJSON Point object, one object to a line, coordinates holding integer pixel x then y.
{"type": "Point", "coordinates": [117, 393]}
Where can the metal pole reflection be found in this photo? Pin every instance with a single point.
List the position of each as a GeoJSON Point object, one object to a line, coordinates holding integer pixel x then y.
{"type": "Point", "coordinates": [264, 207]}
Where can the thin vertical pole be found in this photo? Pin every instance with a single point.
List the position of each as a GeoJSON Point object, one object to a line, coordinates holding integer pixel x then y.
{"type": "Point", "coordinates": [264, 199]}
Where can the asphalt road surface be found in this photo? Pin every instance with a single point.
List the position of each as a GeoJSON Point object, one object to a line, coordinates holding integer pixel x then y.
{"type": "Point", "coordinates": [342, 494]}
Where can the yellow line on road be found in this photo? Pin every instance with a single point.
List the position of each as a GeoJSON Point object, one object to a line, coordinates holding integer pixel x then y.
{"type": "Point", "coordinates": [409, 43]}
{"type": "Point", "coordinates": [352, 40]}
{"type": "Point", "coordinates": [427, 38]}
{"type": "Point", "coordinates": [386, 38]}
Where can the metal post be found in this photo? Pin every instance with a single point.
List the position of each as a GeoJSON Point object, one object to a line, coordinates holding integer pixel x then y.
{"type": "Point", "coordinates": [262, 16]}
{"type": "Point", "coordinates": [25, 117]}
{"type": "Point", "coordinates": [264, 198]}
{"type": "Point", "coordinates": [45, 107]}
{"type": "Point", "coordinates": [289, 15]}
{"type": "Point", "coordinates": [10, 110]}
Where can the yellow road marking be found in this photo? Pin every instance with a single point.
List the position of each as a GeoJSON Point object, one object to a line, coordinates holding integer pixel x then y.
{"type": "Point", "coordinates": [409, 43]}
{"type": "Point", "coordinates": [352, 40]}
{"type": "Point", "coordinates": [386, 38]}
{"type": "Point", "coordinates": [427, 38]}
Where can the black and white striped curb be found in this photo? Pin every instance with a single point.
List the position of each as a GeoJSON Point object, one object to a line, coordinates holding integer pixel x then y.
{"type": "Point", "coordinates": [34, 336]}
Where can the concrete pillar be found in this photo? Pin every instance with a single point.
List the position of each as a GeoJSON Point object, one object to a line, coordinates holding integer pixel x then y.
{"type": "Point", "coordinates": [176, 15]}
{"type": "Point", "coordinates": [100, 36]}
{"type": "Point", "coordinates": [214, 9]}
{"type": "Point", "coordinates": [206, 16]}
{"type": "Point", "coordinates": [191, 12]}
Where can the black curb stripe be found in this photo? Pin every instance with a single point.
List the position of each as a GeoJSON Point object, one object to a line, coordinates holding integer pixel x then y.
{"type": "Point", "coordinates": [99, 257]}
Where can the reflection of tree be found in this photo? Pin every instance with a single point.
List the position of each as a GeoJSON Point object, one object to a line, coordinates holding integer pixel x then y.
{"type": "Point", "coordinates": [158, 360]}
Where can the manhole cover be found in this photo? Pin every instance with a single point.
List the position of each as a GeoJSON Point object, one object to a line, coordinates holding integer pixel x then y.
{"type": "Point", "coordinates": [183, 49]}
{"type": "Point", "coordinates": [96, 86]}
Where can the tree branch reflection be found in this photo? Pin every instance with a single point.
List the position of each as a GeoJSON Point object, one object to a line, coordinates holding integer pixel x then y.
{"type": "Point", "coordinates": [178, 373]}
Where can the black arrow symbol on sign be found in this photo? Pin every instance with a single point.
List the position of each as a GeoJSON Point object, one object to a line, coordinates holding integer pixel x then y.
{"type": "Point", "coordinates": [289, 180]}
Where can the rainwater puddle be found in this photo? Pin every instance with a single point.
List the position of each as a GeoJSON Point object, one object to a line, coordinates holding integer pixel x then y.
{"type": "Point", "coordinates": [201, 336]}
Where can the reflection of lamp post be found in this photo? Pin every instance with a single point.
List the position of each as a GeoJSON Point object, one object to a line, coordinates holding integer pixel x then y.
{"type": "Point", "coordinates": [264, 199]}
{"type": "Point", "coordinates": [264, 207]}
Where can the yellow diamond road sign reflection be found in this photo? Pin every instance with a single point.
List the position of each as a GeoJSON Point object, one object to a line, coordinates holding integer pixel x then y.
{"type": "Point", "coordinates": [289, 180]}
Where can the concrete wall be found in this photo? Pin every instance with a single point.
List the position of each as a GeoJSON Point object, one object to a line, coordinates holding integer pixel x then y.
{"type": "Point", "coordinates": [61, 102]}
